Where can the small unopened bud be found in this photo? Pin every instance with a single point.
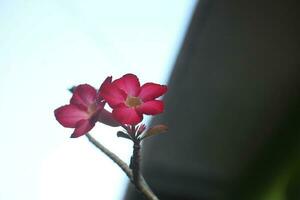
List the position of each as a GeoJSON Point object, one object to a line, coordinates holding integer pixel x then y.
{"type": "Point", "coordinates": [71, 89]}
{"type": "Point", "coordinates": [155, 130]}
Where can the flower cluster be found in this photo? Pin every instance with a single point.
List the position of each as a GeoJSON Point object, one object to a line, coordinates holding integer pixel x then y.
{"type": "Point", "coordinates": [128, 100]}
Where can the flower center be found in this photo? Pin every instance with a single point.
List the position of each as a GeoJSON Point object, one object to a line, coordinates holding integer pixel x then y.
{"type": "Point", "coordinates": [92, 109]}
{"type": "Point", "coordinates": [133, 101]}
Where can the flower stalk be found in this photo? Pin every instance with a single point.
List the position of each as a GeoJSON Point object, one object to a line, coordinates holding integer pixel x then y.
{"type": "Point", "coordinates": [135, 162]}
{"type": "Point", "coordinates": [138, 179]}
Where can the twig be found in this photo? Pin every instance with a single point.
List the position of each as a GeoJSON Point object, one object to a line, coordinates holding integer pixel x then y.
{"type": "Point", "coordinates": [134, 175]}
{"type": "Point", "coordinates": [112, 156]}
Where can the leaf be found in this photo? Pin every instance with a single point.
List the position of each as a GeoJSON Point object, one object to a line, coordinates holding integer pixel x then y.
{"type": "Point", "coordinates": [123, 135]}
{"type": "Point", "coordinates": [155, 130]}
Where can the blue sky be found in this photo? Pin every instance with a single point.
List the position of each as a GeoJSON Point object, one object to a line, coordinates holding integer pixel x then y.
{"type": "Point", "coordinates": [48, 46]}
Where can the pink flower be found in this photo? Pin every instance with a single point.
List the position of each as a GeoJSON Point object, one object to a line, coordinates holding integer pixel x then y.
{"type": "Point", "coordinates": [85, 109]}
{"type": "Point", "coordinates": [130, 101]}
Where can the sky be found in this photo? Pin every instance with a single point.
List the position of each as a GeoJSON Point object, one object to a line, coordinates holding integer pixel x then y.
{"type": "Point", "coordinates": [47, 46]}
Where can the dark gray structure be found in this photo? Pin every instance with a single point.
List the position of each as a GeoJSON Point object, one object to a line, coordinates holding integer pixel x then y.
{"type": "Point", "coordinates": [233, 102]}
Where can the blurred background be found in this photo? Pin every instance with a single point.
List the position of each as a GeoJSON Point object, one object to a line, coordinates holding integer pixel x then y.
{"type": "Point", "coordinates": [48, 46]}
{"type": "Point", "coordinates": [232, 107]}
{"type": "Point", "coordinates": [232, 69]}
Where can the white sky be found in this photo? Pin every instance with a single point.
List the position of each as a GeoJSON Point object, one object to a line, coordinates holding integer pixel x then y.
{"type": "Point", "coordinates": [46, 46]}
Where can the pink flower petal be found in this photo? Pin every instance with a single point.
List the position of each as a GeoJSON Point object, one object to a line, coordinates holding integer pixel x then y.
{"type": "Point", "coordinates": [100, 105]}
{"type": "Point", "coordinates": [104, 84]}
{"type": "Point", "coordinates": [82, 127]}
{"type": "Point", "coordinates": [113, 95]}
{"type": "Point", "coordinates": [150, 91]}
{"type": "Point", "coordinates": [127, 115]}
{"type": "Point", "coordinates": [129, 83]}
{"type": "Point", "coordinates": [84, 95]}
{"type": "Point", "coordinates": [106, 117]}
{"type": "Point", "coordinates": [153, 107]}
{"type": "Point", "coordinates": [69, 115]}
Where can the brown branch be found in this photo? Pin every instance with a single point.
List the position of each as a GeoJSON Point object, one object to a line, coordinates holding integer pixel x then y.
{"type": "Point", "coordinates": [134, 175]}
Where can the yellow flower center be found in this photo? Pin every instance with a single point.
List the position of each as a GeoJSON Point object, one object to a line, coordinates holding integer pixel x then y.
{"type": "Point", "coordinates": [133, 101]}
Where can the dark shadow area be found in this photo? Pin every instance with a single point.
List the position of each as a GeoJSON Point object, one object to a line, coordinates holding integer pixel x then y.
{"type": "Point", "coordinates": [233, 106]}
